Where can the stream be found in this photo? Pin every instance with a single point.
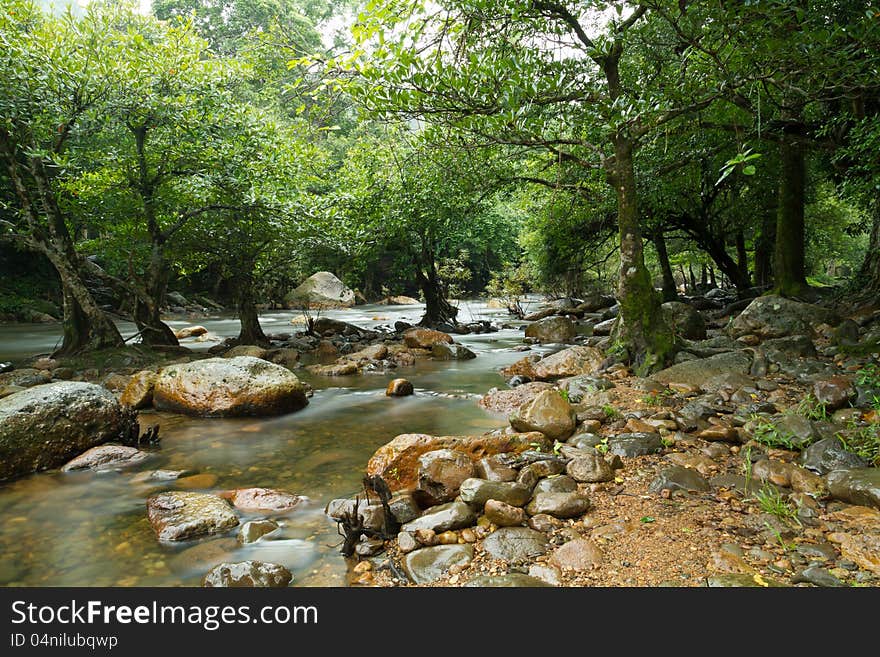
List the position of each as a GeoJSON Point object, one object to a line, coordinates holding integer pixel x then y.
{"type": "Point", "coordinates": [91, 529]}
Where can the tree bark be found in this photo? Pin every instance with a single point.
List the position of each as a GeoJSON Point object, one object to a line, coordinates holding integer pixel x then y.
{"type": "Point", "coordinates": [670, 293]}
{"type": "Point", "coordinates": [788, 266]}
{"type": "Point", "coordinates": [765, 244]}
{"type": "Point", "coordinates": [438, 310]}
{"type": "Point", "coordinates": [251, 332]}
{"type": "Point", "coordinates": [869, 273]}
{"type": "Point", "coordinates": [742, 260]}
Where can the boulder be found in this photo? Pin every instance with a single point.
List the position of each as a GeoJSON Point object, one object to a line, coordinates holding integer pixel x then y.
{"type": "Point", "coordinates": [264, 500]}
{"type": "Point", "coordinates": [508, 401]}
{"type": "Point", "coordinates": [106, 457]}
{"type": "Point", "coordinates": [591, 468]}
{"type": "Point", "coordinates": [829, 454]}
{"type": "Point", "coordinates": [552, 330]}
{"type": "Point", "coordinates": [859, 486]}
{"type": "Point", "coordinates": [431, 563]}
{"type": "Point", "coordinates": [399, 388]}
{"type": "Point", "coordinates": [455, 351]}
{"type": "Point", "coordinates": [254, 530]}
{"type": "Point", "coordinates": [699, 372]}
{"type": "Point", "coordinates": [477, 492]}
{"type": "Point", "coordinates": [569, 362]}
{"type": "Point", "coordinates": [219, 387]}
{"type": "Point", "coordinates": [25, 377]}
{"type": "Point", "coordinates": [441, 473]}
{"type": "Point", "coordinates": [525, 367]}
{"type": "Point", "coordinates": [445, 517]}
{"type": "Point", "coordinates": [397, 461]}
{"type": "Point", "coordinates": [559, 505]}
{"type": "Point", "coordinates": [515, 544]}
{"type": "Point", "coordinates": [44, 426]}
{"type": "Point", "coordinates": [548, 413]}
{"type": "Point", "coordinates": [579, 555]}
{"type": "Point", "coordinates": [247, 574]}
{"type": "Point", "coordinates": [320, 291]}
{"type": "Point", "coordinates": [773, 316]}
{"type": "Point", "coordinates": [178, 515]}
{"type": "Point", "coordinates": [503, 515]}
{"type": "Point", "coordinates": [343, 368]}
{"type": "Point", "coordinates": [139, 391]}
{"type": "Point", "coordinates": [687, 322]}
{"type": "Point", "coordinates": [678, 478]}
{"type": "Point", "coordinates": [834, 392]}
{"type": "Point", "coordinates": [635, 444]}
{"type": "Point", "coordinates": [399, 300]}
{"type": "Point", "coordinates": [190, 332]}
{"type": "Point", "coordinates": [246, 350]}
{"type": "Point", "coordinates": [422, 338]}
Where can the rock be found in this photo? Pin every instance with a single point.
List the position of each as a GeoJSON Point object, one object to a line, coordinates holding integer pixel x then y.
{"type": "Point", "coordinates": [508, 401]}
{"type": "Point", "coordinates": [560, 484]}
{"type": "Point", "coordinates": [525, 367]}
{"type": "Point", "coordinates": [829, 454]}
{"type": "Point", "coordinates": [399, 388]}
{"type": "Point", "coordinates": [799, 430]}
{"type": "Point", "coordinates": [265, 500]}
{"type": "Point", "coordinates": [285, 357]}
{"type": "Point", "coordinates": [510, 580]}
{"type": "Point", "coordinates": [857, 486]}
{"type": "Point", "coordinates": [369, 546]}
{"type": "Point", "coordinates": [248, 573]}
{"type": "Point", "coordinates": [44, 426]}
{"type": "Point", "coordinates": [139, 391]}
{"type": "Point", "coordinates": [477, 492]}
{"type": "Point", "coordinates": [702, 464]}
{"type": "Point", "coordinates": [578, 555]}
{"type": "Point", "coordinates": [399, 300]}
{"type": "Point", "coordinates": [686, 321]}
{"type": "Point", "coordinates": [591, 469]}
{"type": "Point", "coordinates": [441, 473]}
{"type": "Point", "coordinates": [718, 432]}
{"type": "Point", "coordinates": [422, 338]}
{"type": "Point", "coordinates": [177, 516]}
{"type": "Point", "coordinates": [573, 361]}
{"type": "Point", "coordinates": [106, 457]}
{"type": "Point", "coordinates": [455, 351]}
{"type": "Point", "coordinates": [530, 474]}
{"type": "Point", "coordinates": [344, 368]}
{"type": "Point", "coordinates": [846, 416]}
{"type": "Point", "coordinates": [551, 330]}
{"type": "Point", "coordinates": [678, 478]}
{"type": "Point", "coordinates": [320, 291]}
{"type": "Point", "coordinates": [190, 332]}
{"type": "Point", "coordinates": [804, 481]}
{"type": "Point", "coordinates": [404, 508]}
{"type": "Point", "coordinates": [196, 481]}
{"type": "Point", "coordinates": [818, 576]}
{"type": "Point", "coordinates": [772, 316]}
{"type": "Point", "coordinates": [397, 461]}
{"type": "Point", "coordinates": [635, 444]}
{"type": "Point", "coordinates": [737, 580]}
{"type": "Point", "coordinates": [548, 413]}
{"type": "Point", "coordinates": [218, 387]}
{"type": "Point", "coordinates": [779, 350]}
{"type": "Point", "coordinates": [503, 515]}
{"type": "Point", "coordinates": [834, 392]}
{"type": "Point", "coordinates": [406, 542]}
{"type": "Point", "coordinates": [251, 350]}
{"type": "Point", "coordinates": [697, 372]}
{"type": "Point", "coordinates": [253, 530]}
{"type": "Point", "coordinates": [371, 516]}
{"type": "Point", "coordinates": [429, 564]}
{"type": "Point", "coordinates": [559, 505]}
{"type": "Point", "coordinates": [846, 333]}
{"type": "Point", "coordinates": [454, 515]}
{"type": "Point", "coordinates": [863, 549]}
{"type": "Point", "coordinates": [494, 468]}
{"type": "Point", "coordinates": [371, 353]}
{"type": "Point", "coordinates": [25, 377]}
{"type": "Point", "coordinates": [515, 544]}
{"type": "Point", "coordinates": [604, 327]}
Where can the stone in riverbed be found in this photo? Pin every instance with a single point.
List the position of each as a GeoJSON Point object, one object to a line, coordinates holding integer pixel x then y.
{"type": "Point", "coordinates": [404, 508]}
{"type": "Point", "coordinates": [248, 574]}
{"type": "Point", "coordinates": [139, 391]}
{"type": "Point", "coordinates": [551, 329]}
{"type": "Point", "coordinates": [246, 350]}
{"type": "Point", "coordinates": [548, 413]}
{"type": "Point", "coordinates": [477, 492]}
{"type": "Point", "coordinates": [559, 505]}
{"type": "Point", "coordinates": [635, 444]}
{"type": "Point", "coordinates": [573, 361]}
{"type": "Point", "coordinates": [454, 515]}
{"type": "Point", "coordinates": [558, 484]}
{"type": "Point", "coordinates": [321, 290]}
{"type": "Point", "coordinates": [219, 387]}
{"type": "Point", "coordinates": [678, 478]}
{"type": "Point", "coordinates": [686, 320]}
{"type": "Point", "coordinates": [504, 515]}
{"type": "Point", "coordinates": [45, 426]}
{"type": "Point", "coordinates": [399, 388]}
{"type": "Point", "coordinates": [265, 500]}
{"type": "Point", "coordinates": [833, 393]}
{"type": "Point", "coordinates": [177, 516]}
{"type": "Point", "coordinates": [441, 473]}
{"type": "Point", "coordinates": [772, 316]}
{"type": "Point", "coordinates": [511, 580]}
{"type": "Point", "coordinates": [106, 457]}
{"type": "Point", "coordinates": [818, 576]}
{"type": "Point", "coordinates": [397, 461]}
{"type": "Point", "coordinates": [579, 555]}
{"type": "Point", "coordinates": [515, 544]}
{"type": "Point", "coordinates": [253, 530]}
{"type": "Point", "coordinates": [494, 469]}
{"type": "Point", "coordinates": [829, 454]}
{"type": "Point", "coordinates": [508, 401]}
{"type": "Point", "coordinates": [857, 486]}
{"type": "Point", "coordinates": [698, 372]}
{"type": "Point", "coordinates": [190, 332]}
{"type": "Point", "coordinates": [455, 351]}
{"type": "Point", "coordinates": [431, 563]}
{"type": "Point", "coordinates": [422, 338]}
{"type": "Point", "coordinates": [591, 468]}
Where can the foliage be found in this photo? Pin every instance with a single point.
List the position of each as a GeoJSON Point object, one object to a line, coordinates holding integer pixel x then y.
{"type": "Point", "coordinates": [765, 432]}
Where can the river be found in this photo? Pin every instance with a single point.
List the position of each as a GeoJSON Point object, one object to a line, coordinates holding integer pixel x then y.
{"type": "Point", "coordinates": [91, 529]}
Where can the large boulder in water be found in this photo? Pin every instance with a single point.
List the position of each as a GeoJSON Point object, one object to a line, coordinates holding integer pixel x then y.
{"type": "Point", "coordinates": [773, 316]}
{"type": "Point", "coordinates": [569, 362]}
{"type": "Point", "coordinates": [320, 291]}
{"type": "Point", "coordinates": [552, 329]}
{"type": "Point", "coordinates": [45, 426]}
{"type": "Point", "coordinates": [224, 387]}
{"type": "Point", "coordinates": [685, 320]}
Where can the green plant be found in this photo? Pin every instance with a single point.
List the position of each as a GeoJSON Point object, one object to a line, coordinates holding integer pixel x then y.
{"type": "Point", "coordinates": [771, 501]}
{"type": "Point", "coordinates": [811, 408]}
{"type": "Point", "coordinates": [611, 413]}
{"type": "Point", "coordinates": [747, 467]}
{"type": "Point", "coordinates": [785, 546]}
{"type": "Point", "coordinates": [864, 441]}
{"type": "Point", "coordinates": [869, 376]}
{"type": "Point", "coordinates": [667, 441]}
{"type": "Point", "coordinates": [767, 433]}
{"type": "Point", "coordinates": [602, 447]}
{"type": "Point", "coordinates": [564, 394]}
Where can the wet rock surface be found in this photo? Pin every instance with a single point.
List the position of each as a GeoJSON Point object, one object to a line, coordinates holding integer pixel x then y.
{"type": "Point", "coordinates": [177, 516]}
{"type": "Point", "coordinates": [248, 574]}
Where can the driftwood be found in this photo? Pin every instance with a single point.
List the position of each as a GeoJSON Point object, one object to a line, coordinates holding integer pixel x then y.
{"type": "Point", "coordinates": [131, 433]}
{"type": "Point", "coordinates": [350, 525]}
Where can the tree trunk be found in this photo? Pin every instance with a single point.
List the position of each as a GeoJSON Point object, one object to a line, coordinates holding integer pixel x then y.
{"type": "Point", "coordinates": [869, 273]}
{"type": "Point", "coordinates": [693, 278]}
{"type": "Point", "coordinates": [438, 310]}
{"type": "Point", "coordinates": [764, 248]}
{"type": "Point", "coordinates": [742, 260]}
{"type": "Point", "coordinates": [704, 280]}
{"type": "Point", "coordinates": [788, 266]}
{"type": "Point", "coordinates": [670, 293]}
{"type": "Point", "coordinates": [641, 329]}
{"type": "Point", "coordinates": [85, 326]}
{"type": "Point", "coordinates": [251, 332]}
{"type": "Point", "coordinates": [712, 280]}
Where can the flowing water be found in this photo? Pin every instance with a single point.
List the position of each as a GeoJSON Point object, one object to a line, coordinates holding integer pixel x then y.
{"type": "Point", "coordinates": [91, 529]}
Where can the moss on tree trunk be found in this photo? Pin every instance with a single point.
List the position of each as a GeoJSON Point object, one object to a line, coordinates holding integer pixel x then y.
{"type": "Point", "coordinates": [788, 262]}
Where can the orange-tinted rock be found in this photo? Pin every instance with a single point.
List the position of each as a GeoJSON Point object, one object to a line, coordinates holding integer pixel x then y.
{"type": "Point", "coordinates": [422, 338]}
{"type": "Point", "coordinates": [523, 367]}
{"type": "Point", "coordinates": [190, 332]}
{"type": "Point", "coordinates": [397, 462]}
{"type": "Point", "coordinates": [264, 499]}
{"type": "Point", "coordinates": [508, 401]}
{"type": "Point", "coordinates": [342, 368]}
{"type": "Point", "coordinates": [176, 516]}
{"type": "Point", "coordinates": [399, 388]}
{"type": "Point", "coordinates": [139, 391]}
{"type": "Point", "coordinates": [569, 362]}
